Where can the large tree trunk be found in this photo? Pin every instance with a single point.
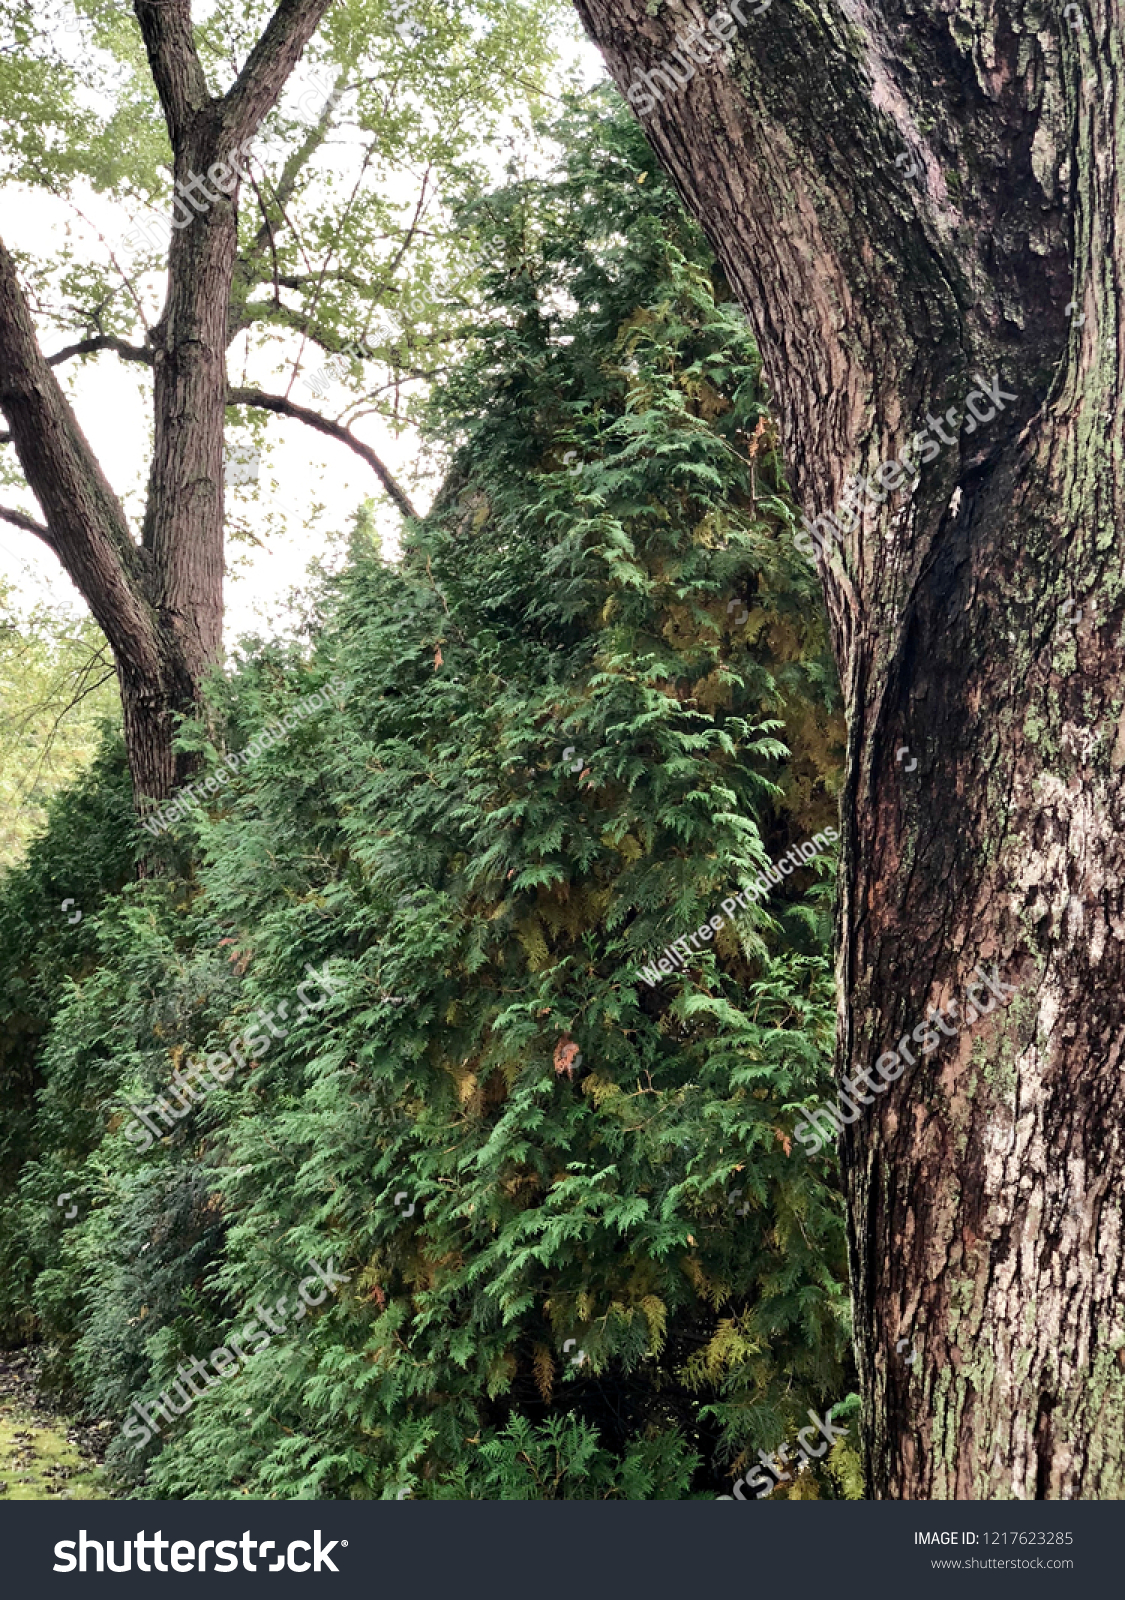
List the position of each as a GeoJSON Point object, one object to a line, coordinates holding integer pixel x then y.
{"type": "Point", "coordinates": [905, 200]}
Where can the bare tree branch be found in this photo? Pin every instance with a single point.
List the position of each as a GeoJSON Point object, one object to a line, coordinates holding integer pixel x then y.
{"type": "Point", "coordinates": [87, 347]}
{"type": "Point", "coordinates": [246, 397]}
{"type": "Point", "coordinates": [103, 341]}
{"type": "Point", "coordinates": [334, 430]}
{"type": "Point", "coordinates": [20, 519]}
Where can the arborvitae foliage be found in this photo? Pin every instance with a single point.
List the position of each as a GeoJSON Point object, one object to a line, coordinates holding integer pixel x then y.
{"type": "Point", "coordinates": [48, 907]}
{"type": "Point", "coordinates": [584, 1259]}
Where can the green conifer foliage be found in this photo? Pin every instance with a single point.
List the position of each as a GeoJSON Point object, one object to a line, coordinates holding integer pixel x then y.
{"type": "Point", "coordinates": [584, 1258]}
{"type": "Point", "coordinates": [48, 917]}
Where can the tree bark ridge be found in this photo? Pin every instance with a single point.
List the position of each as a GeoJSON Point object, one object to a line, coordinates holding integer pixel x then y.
{"type": "Point", "coordinates": [915, 206]}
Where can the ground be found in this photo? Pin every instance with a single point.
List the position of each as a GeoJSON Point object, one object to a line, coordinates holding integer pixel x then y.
{"type": "Point", "coordinates": [43, 1456]}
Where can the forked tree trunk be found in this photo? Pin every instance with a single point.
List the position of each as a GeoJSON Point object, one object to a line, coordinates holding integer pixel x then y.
{"type": "Point", "coordinates": [160, 603]}
{"type": "Point", "coordinates": [908, 201]}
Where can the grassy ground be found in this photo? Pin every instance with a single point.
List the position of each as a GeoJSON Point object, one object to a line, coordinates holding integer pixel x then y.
{"type": "Point", "coordinates": [42, 1456]}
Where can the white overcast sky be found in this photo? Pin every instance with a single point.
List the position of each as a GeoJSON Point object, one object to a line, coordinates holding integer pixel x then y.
{"type": "Point", "coordinates": [299, 470]}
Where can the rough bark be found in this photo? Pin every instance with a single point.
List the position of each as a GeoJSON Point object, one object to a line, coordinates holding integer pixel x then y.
{"type": "Point", "coordinates": [904, 198]}
{"type": "Point", "coordinates": [160, 603]}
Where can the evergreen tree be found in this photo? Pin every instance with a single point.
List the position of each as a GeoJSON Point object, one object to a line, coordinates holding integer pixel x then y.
{"type": "Point", "coordinates": [584, 1260]}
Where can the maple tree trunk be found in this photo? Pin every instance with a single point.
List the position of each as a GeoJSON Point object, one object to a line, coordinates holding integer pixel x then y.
{"type": "Point", "coordinates": [919, 212]}
{"type": "Point", "coordinates": [159, 602]}
{"type": "Point", "coordinates": [184, 514]}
